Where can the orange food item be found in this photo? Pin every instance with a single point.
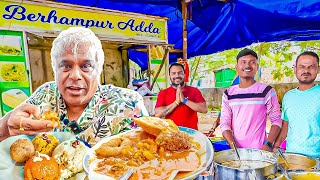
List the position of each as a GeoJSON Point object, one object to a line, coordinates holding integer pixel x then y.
{"type": "Point", "coordinates": [41, 167]}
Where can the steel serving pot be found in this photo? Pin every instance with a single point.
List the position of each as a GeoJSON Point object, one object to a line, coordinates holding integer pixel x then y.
{"type": "Point", "coordinates": [223, 172]}
{"type": "Point", "coordinates": [298, 162]}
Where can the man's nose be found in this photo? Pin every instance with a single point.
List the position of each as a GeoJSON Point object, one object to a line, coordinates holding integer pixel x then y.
{"type": "Point", "coordinates": [75, 73]}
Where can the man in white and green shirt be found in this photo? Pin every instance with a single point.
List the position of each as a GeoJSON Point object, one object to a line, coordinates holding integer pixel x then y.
{"type": "Point", "coordinates": [89, 110]}
{"type": "Point", "coordinates": [301, 109]}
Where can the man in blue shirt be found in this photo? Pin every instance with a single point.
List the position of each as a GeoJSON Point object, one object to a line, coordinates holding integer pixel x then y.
{"type": "Point", "coordinates": [301, 109]}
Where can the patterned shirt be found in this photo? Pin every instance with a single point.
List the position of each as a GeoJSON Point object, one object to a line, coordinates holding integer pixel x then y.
{"type": "Point", "coordinates": [109, 112]}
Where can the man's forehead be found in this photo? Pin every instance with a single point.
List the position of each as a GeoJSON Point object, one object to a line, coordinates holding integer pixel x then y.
{"type": "Point", "coordinates": [176, 68]}
{"type": "Point", "coordinates": [79, 54]}
{"type": "Point", "coordinates": [306, 59]}
{"type": "Point", "coordinates": [247, 57]}
{"type": "Point", "coordinates": [67, 60]}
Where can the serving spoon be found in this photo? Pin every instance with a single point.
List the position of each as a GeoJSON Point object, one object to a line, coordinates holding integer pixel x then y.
{"type": "Point", "coordinates": [283, 157]}
{"type": "Point", "coordinates": [237, 152]}
{"type": "Point", "coordinates": [284, 171]}
{"type": "Point", "coordinates": [175, 172]}
{"type": "Point", "coordinates": [127, 174]}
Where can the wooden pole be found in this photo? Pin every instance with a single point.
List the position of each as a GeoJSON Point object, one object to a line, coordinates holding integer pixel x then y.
{"type": "Point", "coordinates": [149, 66]}
{"type": "Point", "coordinates": [185, 32]}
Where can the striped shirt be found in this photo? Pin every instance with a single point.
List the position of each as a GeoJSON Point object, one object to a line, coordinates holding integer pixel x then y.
{"type": "Point", "coordinates": [245, 110]}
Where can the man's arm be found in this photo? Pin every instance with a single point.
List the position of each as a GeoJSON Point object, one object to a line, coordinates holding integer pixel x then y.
{"type": "Point", "coordinates": [273, 134]}
{"type": "Point", "coordinates": [161, 109]}
{"type": "Point", "coordinates": [283, 134]}
{"type": "Point", "coordinates": [164, 110]}
{"type": "Point", "coordinates": [198, 107]}
{"type": "Point", "coordinates": [274, 114]}
{"type": "Point", "coordinates": [228, 135]}
{"type": "Point", "coordinates": [225, 121]}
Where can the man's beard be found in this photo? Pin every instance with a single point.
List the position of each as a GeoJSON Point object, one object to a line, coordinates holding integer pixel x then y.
{"type": "Point", "coordinates": [175, 85]}
{"type": "Point", "coordinates": [307, 81]}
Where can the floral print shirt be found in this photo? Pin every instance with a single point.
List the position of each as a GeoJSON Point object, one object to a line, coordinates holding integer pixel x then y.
{"type": "Point", "coordinates": [109, 112]}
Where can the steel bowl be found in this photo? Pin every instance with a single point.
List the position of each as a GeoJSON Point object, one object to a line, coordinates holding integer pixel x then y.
{"type": "Point", "coordinates": [305, 175]}
{"type": "Point", "coordinates": [223, 172]}
{"type": "Point", "coordinates": [298, 162]}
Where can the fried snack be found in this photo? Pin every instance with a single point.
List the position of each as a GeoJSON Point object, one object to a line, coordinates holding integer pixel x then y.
{"type": "Point", "coordinates": [45, 143]}
{"type": "Point", "coordinates": [51, 116]}
{"type": "Point", "coordinates": [155, 125]}
{"type": "Point", "coordinates": [41, 166]}
{"type": "Point", "coordinates": [69, 155]}
{"type": "Point", "coordinates": [174, 141]}
{"type": "Point", "coordinates": [114, 147]}
{"type": "Point", "coordinates": [21, 150]}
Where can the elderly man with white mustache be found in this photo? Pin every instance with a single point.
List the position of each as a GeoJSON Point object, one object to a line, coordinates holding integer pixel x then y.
{"type": "Point", "coordinates": [245, 108]}
{"type": "Point", "coordinates": [86, 108]}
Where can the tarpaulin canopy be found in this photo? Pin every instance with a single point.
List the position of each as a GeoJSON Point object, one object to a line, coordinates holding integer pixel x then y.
{"type": "Point", "coordinates": [216, 25]}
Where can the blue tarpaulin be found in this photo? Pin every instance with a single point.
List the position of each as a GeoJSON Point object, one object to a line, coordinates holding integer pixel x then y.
{"type": "Point", "coordinates": [216, 26]}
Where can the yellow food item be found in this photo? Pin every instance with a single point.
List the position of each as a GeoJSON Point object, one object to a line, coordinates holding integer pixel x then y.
{"type": "Point", "coordinates": [155, 125]}
{"type": "Point", "coordinates": [13, 72]}
{"type": "Point", "coordinates": [45, 143]}
{"type": "Point", "coordinates": [13, 97]}
{"type": "Point", "coordinates": [21, 150]}
{"type": "Point", "coordinates": [308, 176]}
{"type": "Point", "coordinates": [51, 116]}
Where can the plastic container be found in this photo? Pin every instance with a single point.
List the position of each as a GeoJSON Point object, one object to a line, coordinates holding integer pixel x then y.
{"type": "Point", "coordinates": [224, 78]}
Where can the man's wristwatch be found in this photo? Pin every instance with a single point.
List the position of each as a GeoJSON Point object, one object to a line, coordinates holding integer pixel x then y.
{"type": "Point", "coordinates": [185, 100]}
{"type": "Point", "coordinates": [269, 144]}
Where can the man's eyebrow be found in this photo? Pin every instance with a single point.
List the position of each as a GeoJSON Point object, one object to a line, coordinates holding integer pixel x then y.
{"type": "Point", "coordinates": [89, 61]}
{"type": "Point", "coordinates": [64, 61]}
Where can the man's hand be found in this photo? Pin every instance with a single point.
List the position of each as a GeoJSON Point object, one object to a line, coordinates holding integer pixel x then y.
{"type": "Point", "coordinates": [178, 94]}
{"type": "Point", "coordinates": [266, 148]}
{"type": "Point", "coordinates": [213, 128]}
{"type": "Point", "coordinates": [181, 96]}
{"type": "Point", "coordinates": [23, 121]}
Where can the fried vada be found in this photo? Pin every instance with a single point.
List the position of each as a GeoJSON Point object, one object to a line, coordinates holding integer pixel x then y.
{"type": "Point", "coordinates": [21, 150]}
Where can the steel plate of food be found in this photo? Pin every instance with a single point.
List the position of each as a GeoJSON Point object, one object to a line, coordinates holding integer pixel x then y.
{"type": "Point", "coordinates": [155, 151]}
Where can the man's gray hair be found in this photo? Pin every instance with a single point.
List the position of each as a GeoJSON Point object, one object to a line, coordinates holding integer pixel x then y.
{"type": "Point", "coordinates": [73, 38]}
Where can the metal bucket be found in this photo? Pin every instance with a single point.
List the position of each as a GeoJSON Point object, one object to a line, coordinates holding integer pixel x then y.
{"type": "Point", "coordinates": [223, 172]}
{"type": "Point", "coordinates": [298, 162]}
